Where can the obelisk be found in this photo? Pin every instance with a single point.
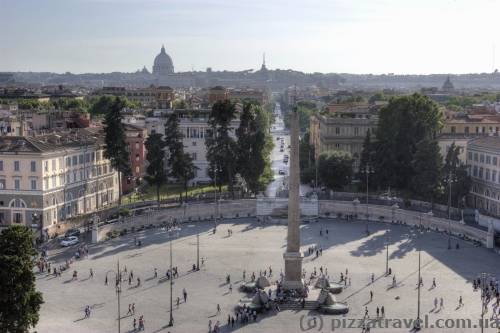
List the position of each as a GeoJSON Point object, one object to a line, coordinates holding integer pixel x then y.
{"type": "Point", "coordinates": [293, 257]}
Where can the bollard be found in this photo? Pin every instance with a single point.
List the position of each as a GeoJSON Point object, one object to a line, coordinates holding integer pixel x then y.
{"type": "Point", "coordinates": [139, 243]}
{"type": "Point", "coordinates": [390, 271]}
{"type": "Point", "coordinates": [458, 246]}
{"type": "Point", "coordinates": [194, 267]}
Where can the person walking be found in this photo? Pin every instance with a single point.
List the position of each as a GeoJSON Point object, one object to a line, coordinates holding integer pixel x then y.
{"type": "Point", "coordinates": [138, 281]}
{"type": "Point", "coordinates": [178, 300]}
{"type": "Point", "coordinates": [232, 321]}
{"type": "Point", "coordinates": [91, 273]}
{"type": "Point", "coordinates": [129, 309]}
{"type": "Point", "coordinates": [156, 273]}
{"type": "Point", "coordinates": [230, 287]}
{"type": "Point", "coordinates": [133, 308]}
{"type": "Point", "coordinates": [218, 309]}
{"type": "Point", "coordinates": [366, 313]}
{"type": "Point", "coordinates": [460, 302]}
{"type": "Point", "coordinates": [202, 262]}
{"type": "Point", "coordinates": [209, 326]}
{"type": "Point", "coordinates": [441, 306]}
{"type": "Point", "coordinates": [382, 311]}
{"type": "Point", "coordinates": [435, 302]}
{"type": "Point", "coordinates": [228, 320]}
{"type": "Point", "coordinates": [244, 273]}
{"type": "Point", "coordinates": [373, 277]}
{"type": "Point", "coordinates": [349, 282]}
{"type": "Point", "coordinates": [135, 324]}
{"type": "Point", "coordinates": [433, 282]}
{"type": "Point", "coordinates": [314, 319]}
{"type": "Point", "coordinates": [421, 282]}
{"type": "Point", "coordinates": [378, 311]}
{"type": "Point", "coordinates": [185, 294]}
{"type": "Point", "coordinates": [371, 296]}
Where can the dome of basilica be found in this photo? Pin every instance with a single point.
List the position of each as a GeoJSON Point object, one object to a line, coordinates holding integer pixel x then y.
{"type": "Point", "coordinates": [163, 63]}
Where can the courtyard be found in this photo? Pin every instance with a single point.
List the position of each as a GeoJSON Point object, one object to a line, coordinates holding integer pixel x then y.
{"type": "Point", "coordinates": [253, 247]}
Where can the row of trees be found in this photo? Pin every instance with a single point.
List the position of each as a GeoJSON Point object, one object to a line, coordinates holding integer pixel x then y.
{"type": "Point", "coordinates": [406, 154]}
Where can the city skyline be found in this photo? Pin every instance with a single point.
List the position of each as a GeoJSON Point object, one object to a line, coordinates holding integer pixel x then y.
{"type": "Point", "coordinates": [102, 36]}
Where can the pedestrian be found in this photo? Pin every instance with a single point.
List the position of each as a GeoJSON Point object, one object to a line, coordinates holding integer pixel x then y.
{"type": "Point", "coordinates": [314, 319]}
{"type": "Point", "coordinates": [435, 302]}
{"type": "Point", "coordinates": [218, 309]}
{"type": "Point", "coordinates": [371, 296]}
{"type": "Point", "coordinates": [382, 311]}
{"type": "Point", "coordinates": [129, 309]}
{"type": "Point", "coordinates": [209, 326]}
{"type": "Point", "coordinates": [421, 282]}
{"type": "Point", "coordinates": [135, 324]}
{"type": "Point", "coordinates": [317, 253]}
{"type": "Point", "coordinates": [138, 281]}
{"type": "Point", "coordinates": [133, 308]}
{"type": "Point", "coordinates": [156, 273]}
{"type": "Point", "coordinates": [254, 315]}
{"type": "Point", "coordinates": [132, 274]}
{"type": "Point", "coordinates": [378, 311]}
{"type": "Point", "coordinates": [178, 299]}
{"type": "Point", "coordinates": [434, 283]}
{"type": "Point", "coordinates": [185, 295]}
{"type": "Point", "coordinates": [202, 262]}
{"type": "Point", "coordinates": [366, 313]}
{"type": "Point", "coordinates": [127, 272]}
{"type": "Point", "coordinates": [373, 277]}
{"type": "Point", "coordinates": [232, 321]}
{"type": "Point", "coordinates": [244, 273]}
{"type": "Point", "coordinates": [230, 287]}
{"type": "Point", "coordinates": [321, 250]}
{"type": "Point", "coordinates": [91, 273]}
{"type": "Point", "coordinates": [460, 301]}
{"type": "Point", "coordinates": [441, 306]}
{"type": "Point", "coordinates": [349, 282]}
{"type": "Point", "coordinates": [346, 271]}
{"type": "Point", "coordinates": [228, 320]}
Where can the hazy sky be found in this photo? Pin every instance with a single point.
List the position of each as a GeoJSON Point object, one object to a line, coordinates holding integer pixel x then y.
{"type": "Point", "coordinates": [355, 36]}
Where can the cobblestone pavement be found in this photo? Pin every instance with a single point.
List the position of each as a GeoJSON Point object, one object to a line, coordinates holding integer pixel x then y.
{"type": "Point", "coordinates": [253, 249]}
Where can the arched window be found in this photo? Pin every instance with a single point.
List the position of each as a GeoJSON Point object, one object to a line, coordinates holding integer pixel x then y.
{"type": "Point", "coordinates": [69, 197]}
{"type": "Point", "coordinates": [81, 193]}
{"type": "Point", "coordinates": [487, 193]}
{"type": "Point", "coordinates": [17, 203]}
{"type": "Point", "coordinates": [54, 201]}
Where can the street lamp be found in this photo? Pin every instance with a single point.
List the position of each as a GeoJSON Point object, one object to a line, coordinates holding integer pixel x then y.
{"type": "Point", "coordinates": [420, 232]}
{"type": "Point", "coordinates": [389, 198]}
{"type": "Point", "coordinates": [367, 169]}
{"type": "Point", "coordinates": [135, 194]}
{"type": "Point", "coordinates": [215, 169]}
{"type": "Point", "coordinates": [483, 280]}
{"type": "Point", "coordinates": [450, 179]}
{"type": "Point", "coordinates": [198, 234]}
{"type": "Point", "coordinates": [171, 323]}
{"type": "Point", "coordinates": [118, 287]}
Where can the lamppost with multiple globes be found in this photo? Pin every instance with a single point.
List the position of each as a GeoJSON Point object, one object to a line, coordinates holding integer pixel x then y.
{"type": "Point", "coordinates": [118, 286]}
{"type": "Point", "coordinates": [215, 169]}
{"type": "Point", "coordinates": [420, 231]}
{"type": "Point", "coordinates": [450, 179]}
{"type": "Point", "coordinates": [367, 169]}
{"type": "Point", "coordinates": [388, 198]}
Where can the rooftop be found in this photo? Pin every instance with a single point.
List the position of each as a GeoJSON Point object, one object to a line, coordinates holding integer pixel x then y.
{"type": "Point", "coordinates": [491, 142]}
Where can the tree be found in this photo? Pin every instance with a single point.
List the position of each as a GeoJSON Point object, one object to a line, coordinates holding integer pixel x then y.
{"type": "Point", "coordinates": [427, 164]}
{"type": "Point", "coordinates": [19, 301]}
{"type": "Point", "coordinates": [103, 105]}
{"type": "Point", "coordinates": [183, 169]}
{"type": "Point", "coordinates": [378, 96]}
{"type": "Point", "coordinates": [460, 187]}
{"type": "Point", "coordinates": [365, 160]}
{"type": "Point", "coordinates": [335, 168]}
{"type": "Point", "coordinates": [116, 145]}
{"type": "Point", "coordinates": [222, 149]}
{"type": "Point", "coordinates": [251, 162]}
{"type": "Point", "coordinates": [181, 105]}
{"type": "Point", "coordinates": [304, 117]}
{"type": "Point", "coordinates": [353, 99]}
{"type": "Point", "coordinates": [404, 122]}
{"type": "Point", "coordinates": [156, 157]}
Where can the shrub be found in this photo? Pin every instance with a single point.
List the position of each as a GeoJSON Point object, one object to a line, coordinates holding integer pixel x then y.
{"type": "Point", "coordinates": [339, 215]}
{"type": "Point", "coordinates": [220, 215]}
{"type": "Point", "coordinates": [212, 217]}
{"type": "Point", "coordinates": [108, 234]}
{"type": "Point", "coordinates": [407, 203]}
{"type": "Point", "coordinates": [124, 231]}
{"type": "Point", "coordinates": [248, 214]}
{"type": "Point", "coordinates": [327, 214]}
{"type": "Point", "coordinates": [237, 215]}
{"type": "Point", "coordinates": [355, 216]}
{"type": "Point", "coordinates": [116, 231]}
{"type": "Point", "coordinates": [381, 218]}
{"type": "Point", "coordinates": [124, 211]}
{"type": "Point", "coordinates": [189, 219]}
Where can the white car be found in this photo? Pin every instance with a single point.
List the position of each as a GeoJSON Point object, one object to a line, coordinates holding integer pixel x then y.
{"type": "Point", "coordinates": [72, 240]}
{"type": "Point", "coordinates": [281, 172]}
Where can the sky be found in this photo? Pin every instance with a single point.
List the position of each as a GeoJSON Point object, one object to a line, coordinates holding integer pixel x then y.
{"type": "Point", "coordinates": [330, 36]}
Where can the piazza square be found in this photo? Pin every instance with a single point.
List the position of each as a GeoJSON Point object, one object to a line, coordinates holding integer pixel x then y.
{"type": "Point", "coordinates": [253, 247]}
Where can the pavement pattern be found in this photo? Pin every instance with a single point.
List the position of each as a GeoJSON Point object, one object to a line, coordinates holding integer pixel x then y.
{"type": "Point", "coordinates": [253, 247]}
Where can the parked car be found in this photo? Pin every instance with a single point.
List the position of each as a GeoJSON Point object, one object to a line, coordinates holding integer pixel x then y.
{"type": "Point", "coordinates": [286, 155]}
{"type": "Point", "coordinates": [281, 172]}
{"type": "Point", "coordinates": [281, 149]}
{"type": "Point", "coordinates": [72, 232]}
{"type": "Point", "coordinates": [72, 240]}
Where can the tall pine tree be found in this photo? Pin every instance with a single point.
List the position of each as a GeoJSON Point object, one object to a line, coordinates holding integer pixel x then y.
{"type": "Point", "coordinates": [156, 157]}
{"type": "Point", "coordinates": [116, 145]}
{"type": "Point", "coordinates": [427, 164]}
{"type": "Point", "coordinates": [19, 301]}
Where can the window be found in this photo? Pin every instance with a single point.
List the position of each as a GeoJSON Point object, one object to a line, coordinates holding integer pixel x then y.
{"type": "Point", "coordinates": [33, 184]}
{"type": "Point", "coordinates": [61, 163]}
{"type": "Point", "coordinates": [488, 160]}
{"type": "Point", "coordinates": [75, 160]}
{"type": "Point", "coordinates": [474, 173]}
{"type": "Point", "coordinates": [33, 166]}
{"type": "Point", "coordinates": [1, 165]}
{"type": "Point", "coordinates": [447, 149]}
{"type": "Point", "coordinates": [194, 144]}
{"type": "Point", "coordinates": [54, 181]}
{"type": "Point", "coordinates": [337, 130]}
{"type": "Point", "coordinates": [475, 157]}
{"type": "Point", "coordinates": [80, 159]}
{"type": "Point", "coordinates": [98, 156]}
{"type": "Point", "coordinates": [16, 165]}
{"type": "Point", "coordinates": [337, 145]}
{"type": "Point", "coordinates": [481, 158]}
{"type": "Point", "coordinates": [137, 157]}
{"type": "Point", "coordinates": [88, 173]}
{"type": "Point", "coordinates": [153, 131]}
{"type": "Point", "coordinates": [481, 173]}
{"type": "Point", "coordinates": [105, 169]}
{"type": "Point", "coordinates": [466, 129]}
{"type": "Point", "coordinates": [2, 184]}
{"type": "Point", "coordinates": [18, 217]}
{"type": "Point", "coordinates": [356, 145]}
{"type": "Point", "coordinates": [46, 183]}
{"type": "Point", "coordinates": [68, 178]}
{"type": "Point", "coordinates": [87, 158]}
{"type": "Point", "coordinates": [92, 156]}
{"type": "Point", "coordinates": [356, 130]}
{"type": "Point", "coordinates": [53, 164]}
{"type": "Point", "coordinates": [81, 174]}
{"type": "Point", "coordinates": [61, 179]}
{"type": "Point", "coordinates": [93, 172]}
{"type": "Point", "coordinates": [137, 145]}
{"type": "Point", "coordinates": [68, 162]}
{"type": "Point", "coordinates": [17, 184]}
{"type": "Point", "coordinates": [194, 156]}
{"type": "Point", "coordinates": [494, 161]}
{"type": "Point", "coordinates": [45, 166]}
{"type": "Point", "coordinates": [453, 129]}
{"type": "Point", "coordinates": [137, 169]}
{"type": "Point", "coordinates": [487, 174]}
{"type": "Point", "coordinates": [470, 156]}
{"type": "Point", "coordinates": [99, 170]}
{"type": "Point", "coordinates": [74, 176]}
{"type": "Point", "coordinates": [494, 176]}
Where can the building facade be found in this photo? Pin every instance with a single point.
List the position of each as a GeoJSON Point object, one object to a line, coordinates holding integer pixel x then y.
{"type": "Point", "coordinates": [483, 159]}
{"type": "Point", "coordinates": [135, 137]}
{"type": "Point", "coordinates": [50, 177]}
